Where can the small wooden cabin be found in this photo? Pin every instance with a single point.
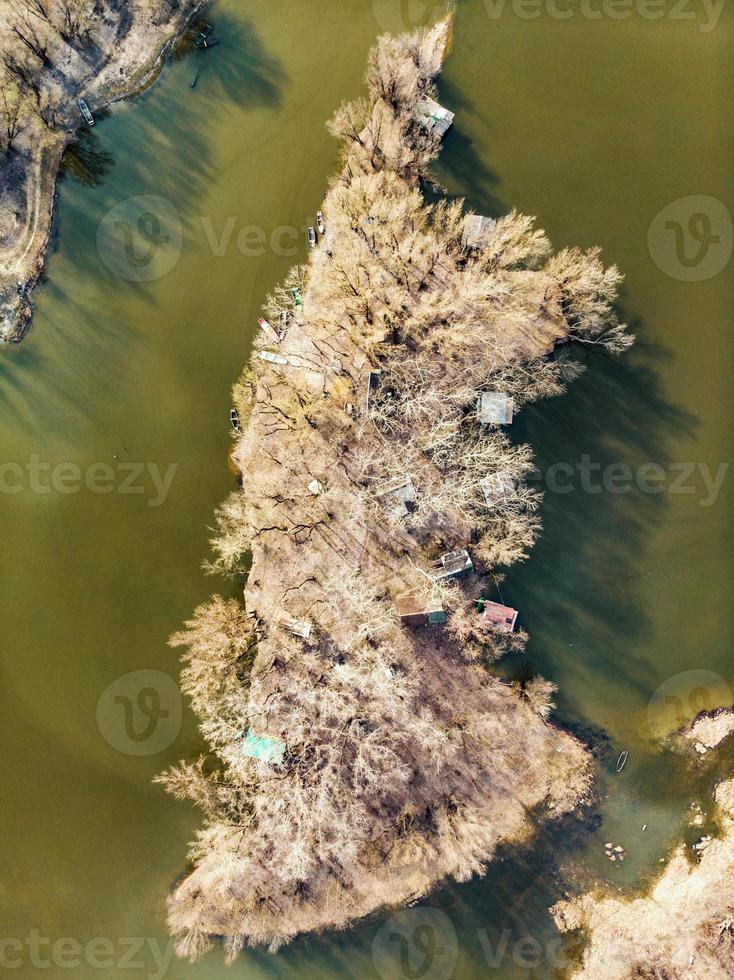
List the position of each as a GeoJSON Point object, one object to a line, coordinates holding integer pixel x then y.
{"type": "Point", "coordinates": [495, 408]}
{"type": "Point", "coordinates": [398, 496]}
{"type": "Point", "coordinates": [499, 617]}
{"type": "Point", "coordinates": [454, 564]}
{"type": "Point", "coordinates": [477, 230]}
{"type": "Point", "coordinates": [434, 117]}
{"type": "Point", "coordinates": [496, 488]}
{"type": "Point", "coordinates": [416, 611]}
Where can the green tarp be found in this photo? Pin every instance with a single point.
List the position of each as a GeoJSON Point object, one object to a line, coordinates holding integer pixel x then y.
{"type": "Point", "coordinates": [263, 747]}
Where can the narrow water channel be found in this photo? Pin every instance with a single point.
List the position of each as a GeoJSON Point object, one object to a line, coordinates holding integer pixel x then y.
{"type": "Point", "coordinates": [592, 125]}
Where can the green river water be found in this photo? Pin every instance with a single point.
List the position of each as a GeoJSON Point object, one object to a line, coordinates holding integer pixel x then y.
{"type": "Point", "coordinates": [594, 125]}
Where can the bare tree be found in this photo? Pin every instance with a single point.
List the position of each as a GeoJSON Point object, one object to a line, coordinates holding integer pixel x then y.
{"type": "Point", "coordinates": [13, 120]}
{"type": "Point", "coordinates": [74, 20]}
{"type": "Point", "coordinates": [25, 77]}
{"type": "Point", "coordinates": [25, 29]}
{"type": "Point", "coordinates": [349, 120]}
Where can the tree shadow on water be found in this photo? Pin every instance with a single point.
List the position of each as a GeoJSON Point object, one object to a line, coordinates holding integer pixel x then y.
{"type": "Point", "coordinates": [240, 66]}
{"type": "Point", "coordinates": [460, 166]}
{"type": "Point", "coordinates": [579, 591]}
{"type": "Point", "coordinates": [85, 160]}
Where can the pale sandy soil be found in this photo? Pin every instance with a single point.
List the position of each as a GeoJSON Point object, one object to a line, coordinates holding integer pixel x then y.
{"type": "Point", "coordinates": [709, 730]}
{"type": "Point", "coordinates": [131, 45]}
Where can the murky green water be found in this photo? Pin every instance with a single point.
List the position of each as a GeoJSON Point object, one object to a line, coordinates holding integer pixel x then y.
{"type": "Point", "coordinates": [592, 124]}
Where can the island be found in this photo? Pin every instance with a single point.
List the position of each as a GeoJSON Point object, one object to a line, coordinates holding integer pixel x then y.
{"type": "Point", "coordinates": [361, 749]}
{"type": "Point", "coordinates": [61, 61]}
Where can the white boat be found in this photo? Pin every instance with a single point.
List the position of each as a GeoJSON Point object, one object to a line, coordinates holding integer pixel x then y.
{"type": "Point", "coordinates": [86, 112]}
{"type": "Point", "coordinates": [234, 418]}
{"type": "Point", "coordinates": [302, 629]}
{"type": "Point", "coordinates": [265, 355]}
{"type": "Point", "coordinates": [320, 223]}
{"type": "Point", "coordinates": [312, 237]}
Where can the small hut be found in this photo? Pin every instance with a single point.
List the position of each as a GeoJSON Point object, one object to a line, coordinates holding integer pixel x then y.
{"type": "Point", "coordinates": [434, 117]}
{"type": "Point", "coordinates": [496, 488]}
{"type": "Point", "coordinates": [477, 230]}
{"type": "Point", "coordinates": [399, 496]}
{"type": "Point", "coordinates": [495, 408]}
{"type": "Point", "coordinates": [498, 617]}
{"type": "Point", "coordinates": [454, 564]}
{"type": "Point", "coordinates": [263, 747]}
{"type": "Point", "coordinates": [416, 611]}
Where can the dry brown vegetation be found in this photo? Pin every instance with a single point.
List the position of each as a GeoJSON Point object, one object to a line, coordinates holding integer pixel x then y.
{"type": "Point", "coordinates": [406, 760]}
{"type": "Point", "coordinates": [684, 930]}
{"type": "Point", "coordinates": [707, 731]}
{"type": "Point", "coordinates": [51, 53]}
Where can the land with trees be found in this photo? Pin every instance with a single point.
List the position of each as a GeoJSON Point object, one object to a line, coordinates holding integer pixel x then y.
{"type": "Point", "coordinates": [395, 757]}
{"type": "Point", "coordinates": [52, 53]}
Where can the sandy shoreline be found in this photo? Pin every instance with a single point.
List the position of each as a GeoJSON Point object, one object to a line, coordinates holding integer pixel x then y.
{"type": "Point", "coordinates": [127, 59]}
